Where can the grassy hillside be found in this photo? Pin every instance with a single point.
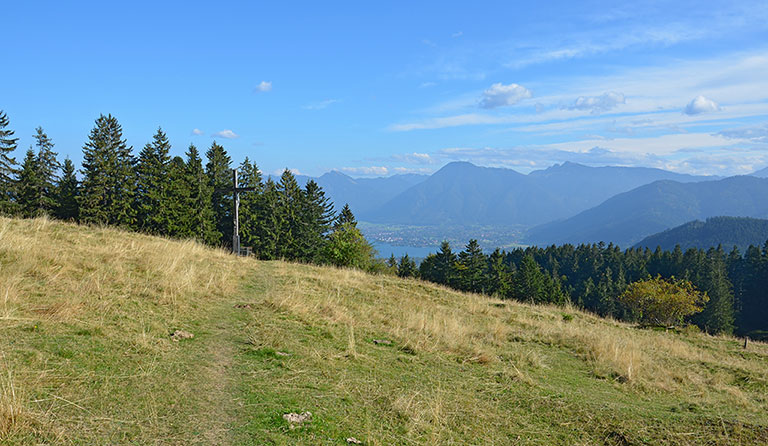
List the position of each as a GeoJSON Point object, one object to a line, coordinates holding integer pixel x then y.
{"type": "Point", "coordinates": [86, 357]}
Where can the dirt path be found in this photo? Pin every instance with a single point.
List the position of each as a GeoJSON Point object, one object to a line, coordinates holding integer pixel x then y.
{"type": "Point", "coordinates": [217, 403]}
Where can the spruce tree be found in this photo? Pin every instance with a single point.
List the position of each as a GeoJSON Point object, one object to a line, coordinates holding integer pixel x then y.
{"type": "Point", "coordinates": [250, 204]}
{"type": "Point", "coordinates": [498, 275]}
{"type": "Point", "coordinates": [48, 168]}
{"type": "Point", "coordinates": [67, 191]}
{"type": "Point", "coordinates": [219, 172]}
{"type": "Point", "coordinates": [152, 186]}
{"type": "Point", "coordinates": [202, 220]}
{"type": "Point", "coordinates": [178, 201]}
{"type": "Point", "coordinates": [8, 167]}
{"type": "Point", "coordinates": [407, 267]}
{"type": "Point", "coordinates": [316, 216]}
{"type": "Point", "coordinates": [718, 314]}
{"type": "Point", "coordinates": [28, 186]}
{"type": "Point", "coordinates": [271, 223]}
{"type": "Point", "coordinates": [108, 186]}
{"type": "Point", "coordinates": [345, 217]}
{"type": "Point", "coordinates": [529, 282]}
{"type": "Point", "coordinates": [290, 200]}
{"type": "Point", "coordinates": [471, 266]}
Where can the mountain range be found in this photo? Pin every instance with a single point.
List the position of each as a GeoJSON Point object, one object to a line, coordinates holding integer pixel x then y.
{"type": "Point", "coordinates": [464, 194]}
{"type": "Point", "coordinates": [566, 202]}
{"type": "Point", "coordinates": [627, 218]}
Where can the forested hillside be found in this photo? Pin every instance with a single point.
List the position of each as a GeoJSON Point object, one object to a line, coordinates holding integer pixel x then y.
{"type": "Point", "coordinates": [726, 231]}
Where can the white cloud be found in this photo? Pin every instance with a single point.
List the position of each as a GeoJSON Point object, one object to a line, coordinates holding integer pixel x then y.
{"type": "Point", "coordinates": [700, 105]}
{"type": "Point", "coordinates": [320, 105]}
{"type": "Point", "coordinates": [368, 170]}
{"type": "Point", "coordinates": [197, 132]}
{"type": "Point", "coordinates": [263, 87]}
{"type": "Point", "coordinates": [226, 134]}
{"type": "Point", "coordinates": [500, 95]}
{"type": "Point", "coordinates": [597, 104]}
{"type": "Point", "coordinates": [457, 34]}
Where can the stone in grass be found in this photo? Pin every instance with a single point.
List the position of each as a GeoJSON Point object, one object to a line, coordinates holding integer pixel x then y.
{"type": "Point", "coordinates": [382, 342]}
{"type": "Point", "coordinates": [297, 419]}
{"type": "Point", "coordinates": [353, 440]}
{"type": "Point", "coordinates": [179, 335]}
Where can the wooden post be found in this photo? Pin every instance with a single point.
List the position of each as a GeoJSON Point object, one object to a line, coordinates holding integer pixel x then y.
{"type": "Point", "coordinates": [746, 340]}
{"type": "Point", "coordinates": [236, 216]}
{"type": "Point", "coordinates": [236, 189]}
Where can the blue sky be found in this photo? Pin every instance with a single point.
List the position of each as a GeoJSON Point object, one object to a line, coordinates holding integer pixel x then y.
{"type": "Point", "coordinates": [394, 87]}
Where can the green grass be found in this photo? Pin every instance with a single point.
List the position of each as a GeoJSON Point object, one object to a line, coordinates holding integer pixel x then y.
{"type": "Point", "coordinates": [86, 357]}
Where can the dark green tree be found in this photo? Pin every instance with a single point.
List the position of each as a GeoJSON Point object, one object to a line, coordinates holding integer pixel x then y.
{"type": "Point", "coordinates": [8, 167]}
{"type": "Point", "coordinates": [290, 201]}
{"type": "Point", "coordinates": [498, 275]}
{"type": "Point", "coordinates": [37, 180]}
{"type": "Point", "coordinates": [407, 267]}
{"type": "Point", "coordinates": [109, 186]}
{"type": "Point", "coordinates": [27, 188]}
{"type": "Point", "coordinates": [250, 204]}
{"type": "Point", "coordinates": [316, 218]}
{"type": "Point", "coordinates": [470, 268]}
{"type": "Point", "coordinates": [67, 191]}
{"type": "Point", "coordinates": [529, 282]}
{"type": "Point", "coordinates": [718, 314]}
{"type": "Point", "coordinates": [178, 201]}
{"type": "Point", "coordinates": [202, 220]}
{"type": "Point", "coordinates": [219, 172]}
{"type": "Point", "coordinates": [152, 186]}
{"type": "Point", "coordinates": [345, 216]}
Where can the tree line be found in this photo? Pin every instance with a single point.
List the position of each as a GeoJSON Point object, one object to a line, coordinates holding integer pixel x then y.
{"type": "Point", "coordinates": [594, 277]}
{"type": "Point", "coordinates": [177, 197]}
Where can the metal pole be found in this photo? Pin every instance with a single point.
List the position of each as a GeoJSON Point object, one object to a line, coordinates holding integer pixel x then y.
{"type": "Point", "coordinates": [236, 216]}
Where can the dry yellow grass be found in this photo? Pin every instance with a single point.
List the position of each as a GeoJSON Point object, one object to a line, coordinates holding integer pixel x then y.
{"type": "Point", "coordinates": [92, 309]}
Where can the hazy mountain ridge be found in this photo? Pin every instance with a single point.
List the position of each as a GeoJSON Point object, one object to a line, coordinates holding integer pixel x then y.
{"type": "Point", "coordinates": [627, 218]}
{"type": "Point", "coordinates": [464, 194]}
{"type": "Point", "coordinates": [726, 231]}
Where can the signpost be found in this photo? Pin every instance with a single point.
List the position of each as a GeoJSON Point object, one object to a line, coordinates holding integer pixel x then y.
{"type": "Point", "coordinates": [236, 215]}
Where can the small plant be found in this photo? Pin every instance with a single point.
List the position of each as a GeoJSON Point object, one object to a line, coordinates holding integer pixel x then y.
{"type": "Point", "coordinates": [663, 302]}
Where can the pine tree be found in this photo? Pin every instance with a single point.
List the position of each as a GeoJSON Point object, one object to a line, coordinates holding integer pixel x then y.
{"type": "Point", "coordinates": [67, 191]}
{"type": "Point", "coordinates": [219, 172]}
{"type": "Point", "coordinates": [178, 201]}
{"type": "Point", "coordinates": [471, 266]}
{"type": "Point", "coordinates": [529, 281]}
{"type": "Point", "coordinates": [28, 186]}
{"type": "Point", "coordinates": [407, 267]}
{"type": "Point", "coordinates": [345, 216]}
{"type": "Point", "coordinates": [48, 167]}
{"type": "Point", "coordinates": [108, 187]}
{"type": "Point", "coordinates": [202, 221]}
{"type": "Point", "coordinates": [152, 186]}
{"type": "Point", "coordinates": [498, 276]}
{"type": "Point", "coordinates": [290, 199]}
{"type": "Point", "coordinates": [718, 314]}
{"type": "Point", "coordinates": [250, 204]}
{"type": "Point", "coordinates": [271, 223]}
{"type": "Point", "coordinates": [8, 167]}
{"type": "Point", "coordinates": [316, 216]}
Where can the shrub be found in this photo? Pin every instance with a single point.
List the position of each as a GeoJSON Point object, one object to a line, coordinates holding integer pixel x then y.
{"type": "Point", "coordinates": [663, 302]}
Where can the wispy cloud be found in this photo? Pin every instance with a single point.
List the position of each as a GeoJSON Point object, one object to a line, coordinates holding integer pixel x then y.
{"type": "Point", "coordinates": [197, 132]}
{"type": "Point", "coordinates": [320, 105]}
{"type": "Point", "coordinates": [757, 134]}
{"type": "Point", "coordinates": [597, 104]}
{"type": "Point", "coordinates": [263, 87]}
{"type": "Point", "coordinates": [367, 170]}
{"type": "Point", "coordinates": [226, 134]}
{"type": "Point", "coordinates": [700, 105]}
{"type": "Point", "coordinates": [500, 95]}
